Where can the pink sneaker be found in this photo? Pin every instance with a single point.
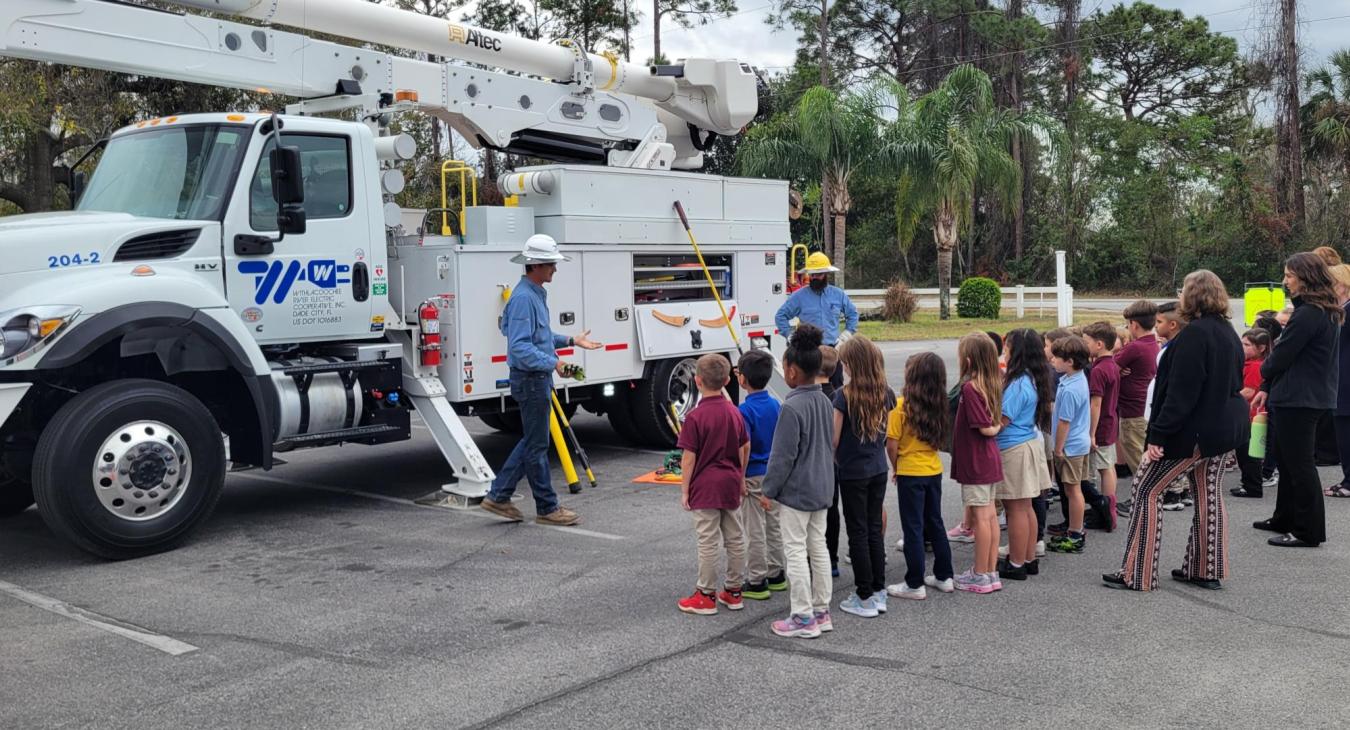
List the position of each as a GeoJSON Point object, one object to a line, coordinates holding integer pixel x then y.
{"type": "Point", "coordinates": [973, 582]}
{"type": "Point", "coordinates": [960, 533]}
{"type": "Point", "coordinates": [824, 622]}
{"type": "Point", "coordinates": [995, 582]}
{"type": "Point", "coordinates": [797, 627]}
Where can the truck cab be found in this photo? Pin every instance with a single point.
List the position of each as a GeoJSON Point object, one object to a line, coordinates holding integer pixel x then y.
{"type": "Point", "coordinates": [173, 305]}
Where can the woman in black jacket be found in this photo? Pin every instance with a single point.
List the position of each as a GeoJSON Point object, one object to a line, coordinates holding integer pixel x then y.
{"type": "Point", "coordinates": [1299, 383]}
{"type": "Point", "coordinates": [1198, 417]}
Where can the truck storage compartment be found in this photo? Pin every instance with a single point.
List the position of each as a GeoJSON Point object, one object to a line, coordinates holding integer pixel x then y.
{"type": "Point", "coordinates": [679, 278]}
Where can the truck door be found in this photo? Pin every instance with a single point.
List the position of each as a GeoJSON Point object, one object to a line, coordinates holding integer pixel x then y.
{"type": "Point", "coordinates": [312, 286]}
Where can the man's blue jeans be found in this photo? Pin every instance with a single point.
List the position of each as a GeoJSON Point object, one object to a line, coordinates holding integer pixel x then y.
{"type": "Point", "coordinates": [533, 392]}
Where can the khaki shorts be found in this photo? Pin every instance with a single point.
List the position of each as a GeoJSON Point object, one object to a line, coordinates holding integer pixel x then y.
{"type": "Point", "coordinates": [1071, 469]}
{"type": "Point", "coordinates": [1023, 471]}
{"type": "Point", "coordinates": [1103, 458]}
{"type": "Point", "coordinates": [977, 495]}
{"type": "Point", "coordinates": [1131, 444]}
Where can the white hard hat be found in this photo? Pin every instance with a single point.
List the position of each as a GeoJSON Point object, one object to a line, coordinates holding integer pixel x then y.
{"type": "Point", "coordinates": [539, 249]}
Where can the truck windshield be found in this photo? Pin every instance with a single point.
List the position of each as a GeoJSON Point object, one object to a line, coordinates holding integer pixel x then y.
{"type": "Point", "coordinates": [181, 173]}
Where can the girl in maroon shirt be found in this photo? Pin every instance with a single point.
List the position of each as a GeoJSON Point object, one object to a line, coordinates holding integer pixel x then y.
{"type": "Point", "coordinates": [977, 464]}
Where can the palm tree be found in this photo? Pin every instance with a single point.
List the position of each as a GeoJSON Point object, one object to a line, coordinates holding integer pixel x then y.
{"type": "Point", "coordinates": [825, 136]}
{"type": "Point", "coordinates": [945, 145]}
{"type": "Point", "coordinates": [1326, 115]}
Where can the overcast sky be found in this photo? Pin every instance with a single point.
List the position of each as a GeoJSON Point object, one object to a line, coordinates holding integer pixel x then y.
{"type": "Point", "coordinates": [746, 36]}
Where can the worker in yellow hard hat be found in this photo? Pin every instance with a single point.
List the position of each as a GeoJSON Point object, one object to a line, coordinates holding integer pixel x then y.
{"type": "Point", "coordinates": [821, 304]}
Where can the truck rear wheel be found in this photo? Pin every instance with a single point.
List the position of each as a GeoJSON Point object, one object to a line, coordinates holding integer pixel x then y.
{"type": "Point", "coordinates": [671, 383]}
{"type": "Point", "coordinates": [16, 495]}
{"type": "Point", "coordinates": [129, 468]}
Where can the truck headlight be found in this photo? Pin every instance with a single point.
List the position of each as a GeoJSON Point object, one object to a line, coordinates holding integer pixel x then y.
{"type": "Point", "coordinates": [25, 329]}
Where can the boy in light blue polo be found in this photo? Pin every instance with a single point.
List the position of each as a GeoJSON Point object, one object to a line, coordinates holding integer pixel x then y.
{"type": "Point", "coordinates": [1073, 442]}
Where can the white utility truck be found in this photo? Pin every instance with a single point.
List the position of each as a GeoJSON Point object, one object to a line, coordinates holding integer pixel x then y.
{"type": "Point", "coordinates": [247, 274]}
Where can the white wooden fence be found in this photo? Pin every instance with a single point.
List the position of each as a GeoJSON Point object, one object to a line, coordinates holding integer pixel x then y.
{"type": "Point", "coordinates": [1058, 298]}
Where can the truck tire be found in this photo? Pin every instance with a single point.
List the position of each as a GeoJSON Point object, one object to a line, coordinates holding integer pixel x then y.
{"type": "Point", "coordinates": [16, 495]}
{"type": "Point", "coordinates": [509, 421]}
{"type": "Point", "coordinates": [671, 381]}
{"type": "Point", "coordinates": [129, 468]}
{"type": "Point", "coordinates": [504, 422]}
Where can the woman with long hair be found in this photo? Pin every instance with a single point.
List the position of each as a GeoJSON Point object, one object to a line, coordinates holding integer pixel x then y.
{"type": "Point", "coordinates": [1028, 389]}
{"type": "Point", "coordinates": [1341, 276]}
{"type": "Point", "coordinates": [1300, 387]}
{"type": "Point", "coordinates": [1199, 417]}
{"type": "Point", "coordinates": [861, 409]}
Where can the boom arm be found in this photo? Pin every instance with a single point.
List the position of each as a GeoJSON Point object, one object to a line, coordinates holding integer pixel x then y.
{"type": "Point", "coordinates": [604, 111]}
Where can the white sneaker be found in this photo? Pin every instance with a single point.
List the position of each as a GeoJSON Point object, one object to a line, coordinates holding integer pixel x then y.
{"type": "Point", "coordinates": [1003, 551]}
{"type": "Point", "coordinates": [946, 586]}
{"type": "Point", "coordinates": [845, 559]}
{"type": "Point", "coordinates": [1271, 482]}
{"type": "Point", "coordinates": [902, 590]}
{"type": "Point", "coordinates": [1040, 548]}
{"type": "Point", "coordinates": [900, 545]}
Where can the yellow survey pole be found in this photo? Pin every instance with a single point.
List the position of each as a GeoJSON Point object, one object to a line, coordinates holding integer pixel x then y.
{"type": "Point", "coordinates": [684, 219]}
{"type": "Point", "coordinates": [569, 471]}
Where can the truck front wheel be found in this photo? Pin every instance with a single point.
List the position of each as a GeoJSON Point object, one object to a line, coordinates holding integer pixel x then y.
{"type": "Point", "coordinates": [129, 468]}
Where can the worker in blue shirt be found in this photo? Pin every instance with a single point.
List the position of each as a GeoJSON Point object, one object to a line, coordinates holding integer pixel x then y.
{"type": "Point", "coordinates": [532, 357]}
{"type": "Point", "coordinates": [821, 304]}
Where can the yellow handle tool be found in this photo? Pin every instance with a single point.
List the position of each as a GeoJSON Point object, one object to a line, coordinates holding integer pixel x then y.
{"type": "Point", "coordinates": [576, 442]}
{"type": "Point", "coordinates": [684, 219]}
{"type": "Point", "coordinates": [569, 471]}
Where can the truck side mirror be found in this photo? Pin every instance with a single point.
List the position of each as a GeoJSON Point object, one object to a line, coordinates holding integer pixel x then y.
{"type": "Point", "coordinates": [288, 183]}
{"type": "Point", "coordinates": [78, 182]}
{"type": "Point", "coordinates": [288, 189]}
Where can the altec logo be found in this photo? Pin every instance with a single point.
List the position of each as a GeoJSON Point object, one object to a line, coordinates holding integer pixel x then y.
{"type": "Point", "coordinates": [474, 37]}
{"type": "Point", "coordinates": [276, 278]}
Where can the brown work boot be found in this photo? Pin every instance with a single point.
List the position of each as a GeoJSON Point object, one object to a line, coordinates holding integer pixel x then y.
{"type": "Point", "coordinates": [561, 517]}
{"type": "Point", "coordinates": [503, 509]}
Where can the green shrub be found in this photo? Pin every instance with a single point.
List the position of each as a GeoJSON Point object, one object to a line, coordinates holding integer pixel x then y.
{"type": "Point", "coordinates": [979, 298]}
{"type": "Point", "coordinates": [900, 302]}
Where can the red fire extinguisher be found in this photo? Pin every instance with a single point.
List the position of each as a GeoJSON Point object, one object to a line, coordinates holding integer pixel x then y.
{"type": "Point", "coordinates": [429, 320]}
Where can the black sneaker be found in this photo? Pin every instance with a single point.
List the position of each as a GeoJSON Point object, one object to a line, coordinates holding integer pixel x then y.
{"type": "Point", "coordinates": [1172, 502]}
{"type": "Point", "coordinates": [757, 591]}
{"type": "Point", "coordinates": [1123, 508]}
{"type": "Point", "coordinates": [1008, 572]}
{"type": "Point", "coordinates": [1034, 567]}
{"type": "Point", "coordinates": [1058, 529]}
{"type": "Point", "coordinates": [778, 582]}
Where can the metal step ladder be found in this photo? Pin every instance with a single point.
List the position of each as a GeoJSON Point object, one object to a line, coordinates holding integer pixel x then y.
{"type": "Point", "coordinates": [473, 476]}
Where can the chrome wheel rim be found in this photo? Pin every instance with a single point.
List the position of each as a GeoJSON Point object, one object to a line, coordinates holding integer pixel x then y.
{"type": "Point", "coordinates": [142, 470]}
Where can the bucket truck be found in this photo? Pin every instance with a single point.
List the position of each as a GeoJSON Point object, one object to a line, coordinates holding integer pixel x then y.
{"type": "Point", "coordinates": [235, 284]}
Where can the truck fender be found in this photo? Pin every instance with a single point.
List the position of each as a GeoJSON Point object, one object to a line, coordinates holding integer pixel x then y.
{"type": "Point", "coordinates": [92, 333]}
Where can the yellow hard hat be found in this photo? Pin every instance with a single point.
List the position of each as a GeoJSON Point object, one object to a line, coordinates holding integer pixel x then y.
{"type": "Point", "coordinates": [818, 263]}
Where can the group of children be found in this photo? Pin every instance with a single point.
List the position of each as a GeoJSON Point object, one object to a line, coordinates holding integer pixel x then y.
{"type": "Point", "coordinates": [1033, 418]}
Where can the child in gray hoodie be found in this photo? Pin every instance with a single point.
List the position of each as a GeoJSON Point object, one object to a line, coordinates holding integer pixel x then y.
{"type": "Point", "coordinates": [800, 479]}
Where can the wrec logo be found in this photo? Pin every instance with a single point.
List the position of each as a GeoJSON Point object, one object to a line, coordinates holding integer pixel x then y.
{"type": "Point", "coordinates": [277, 277]}
{"type": "Point", "coordinates": [472, 37]}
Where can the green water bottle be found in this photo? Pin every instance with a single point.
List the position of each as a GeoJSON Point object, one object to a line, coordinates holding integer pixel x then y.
{"type": "Point", "coordinates": [1256, 448]}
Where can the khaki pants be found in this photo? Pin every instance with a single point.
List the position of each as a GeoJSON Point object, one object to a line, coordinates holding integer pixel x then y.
{"type": "Point", "coordinates": [1130, 445]}
{"type": "Point", "coordinates": [763, 537]}
{"type": "Point", "coordinates": [807, 559]}
{"type": "Point", "coordinates": [717, 529]}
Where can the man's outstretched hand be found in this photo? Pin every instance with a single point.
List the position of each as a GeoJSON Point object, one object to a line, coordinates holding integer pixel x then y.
{"type": "Point", "coordinates": [584, 341]}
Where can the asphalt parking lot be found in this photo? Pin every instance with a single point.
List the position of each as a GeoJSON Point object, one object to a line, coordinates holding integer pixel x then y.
{"type": "Point", "coordinates": [321, 595]}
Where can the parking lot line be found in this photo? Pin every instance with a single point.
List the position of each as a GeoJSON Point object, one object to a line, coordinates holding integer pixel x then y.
{"type": "Point", "coordinates": [137, 634]}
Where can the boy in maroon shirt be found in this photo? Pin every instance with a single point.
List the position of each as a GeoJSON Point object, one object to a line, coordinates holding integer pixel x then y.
{"type": "Point", "coordinates": [716, 451]}
{"type": "Point", "coordinates": [1138, 362]}
{"type": "Point", "coordinates": [1104, 389]}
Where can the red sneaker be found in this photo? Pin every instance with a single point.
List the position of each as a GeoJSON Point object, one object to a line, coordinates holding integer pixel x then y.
{"type": "Point", "coordinates": [730, 599]}
{"type": "Point", "coordinates": [702, 603]}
